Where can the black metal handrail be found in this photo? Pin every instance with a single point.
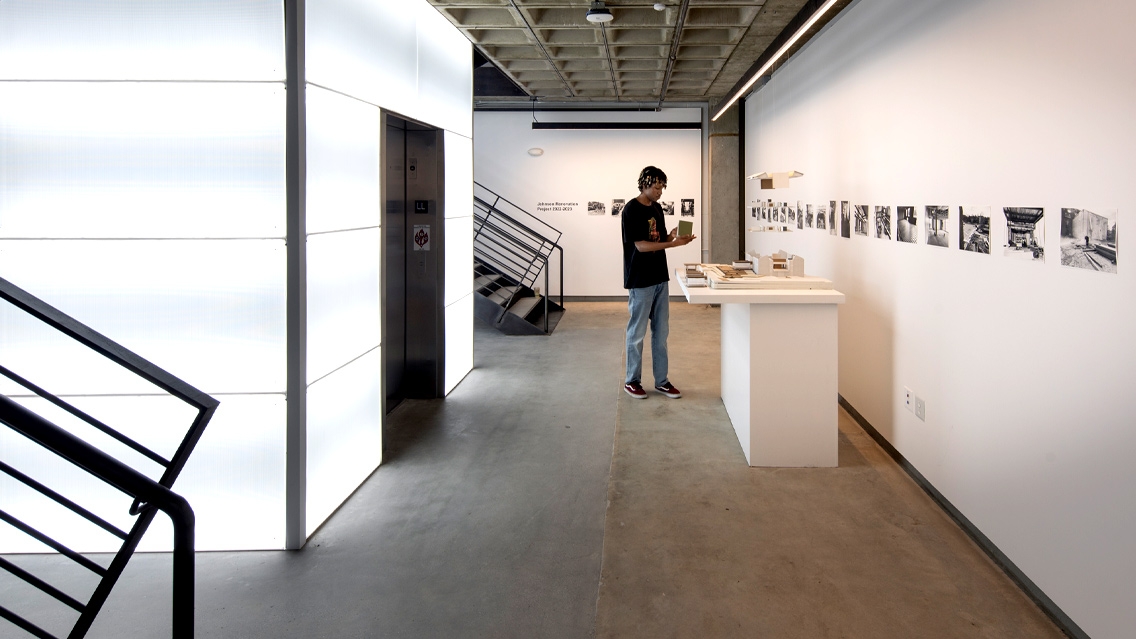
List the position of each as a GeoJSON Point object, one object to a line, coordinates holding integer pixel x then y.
{"type": "Point", "coordinates": [149, 495]}
{"type": "Point", "coordinates": [512, 244]}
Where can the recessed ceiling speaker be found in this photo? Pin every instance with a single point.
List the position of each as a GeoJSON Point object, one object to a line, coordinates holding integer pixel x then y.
{"type": "Point", "coordinates": [598, 13]}
{"type": "Point", "coordinates": [536, 151]}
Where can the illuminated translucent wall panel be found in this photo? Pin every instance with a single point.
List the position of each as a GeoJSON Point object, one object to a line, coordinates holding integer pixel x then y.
{"type": "Point", "coordinates": [142, 190]}
{"type": "Point", "coordinates": [343, 162]}
{"type": "Point", "coordinates": [141, 160]}
{"type": "Point", "coordinates": [459, 341]}
{"type": "Point", "coordinates": [459, 175]}
{"type": "Point", "coordinates": [344, 434]}
{"type": "Point", "coordinates": [208, 311]}
{"type": "Point", "coordinates": [140, 40]}
{"type": "Point", "coordinates": [459, 257]}
{"type": "Point", "coordinates": [445, 75]}
{"type": "Point", "coordinates": [344, 259]}
{"type": "Point", "coordinates": [234, 480]}
{"type": "Point", "coordinates": [403, 56]}
{"type": "Point", "coordinates": [366, 49]}
{"type": "Point", "coordinates": [344, 307]}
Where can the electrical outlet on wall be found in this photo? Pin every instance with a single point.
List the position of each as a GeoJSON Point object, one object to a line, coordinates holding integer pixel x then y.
{"type": "Point", "coordinates": [907, 398]}
{"type": "Point", "coordinates": [920, 408]}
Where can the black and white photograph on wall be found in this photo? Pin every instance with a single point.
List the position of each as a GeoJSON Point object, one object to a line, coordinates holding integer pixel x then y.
{"type": "Point", "coordinates": [832, 217]}
{"type": "Point", "coordinates": [800, 215]}
{"type": "Point", "coordinates": [596, 208]}
{"type": "Point", "coordinates": [906, 224]}
{"type": "Point", "coordinates": [883, 222]}
{"type": "Point", "coordinates": [617, 206]}
{"type": "Point", "coordinates": [792, 214]}
{"type": "Point", "coordinates": [822, 217]}
{"type": "Point", "coordinates": [668, 207]}
{"type": "Point", "coordinates": [753, 211]}
{"type": "Point", "coordinates": [1088, 239]}
{"type": "Point", "coordinates": [1025, 233]}
{"type": "Point", "coordinates": [809, 213]}
{"type": "Point", "coordinates": [782, 213]}
{"type": "Point", "coordinates": [687, 208]}
{"type": "Point", "coordinates": [974, 229]}
{"type": "Point", "coordinates": [860, 219]}
{"type": "Point", "coordinates": [937, 234]}
{"type": "Point", "coordinates": [845, 219]}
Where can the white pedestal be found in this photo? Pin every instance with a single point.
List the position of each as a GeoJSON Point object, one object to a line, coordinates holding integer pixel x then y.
{"type": "Point", "coordinates": [779, 373]}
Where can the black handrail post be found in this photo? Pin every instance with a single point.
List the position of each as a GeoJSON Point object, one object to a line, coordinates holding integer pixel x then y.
{"type": "Point", "coordinates": [559, 248]}
{"type": "Point", "coordinates": [181, 514]}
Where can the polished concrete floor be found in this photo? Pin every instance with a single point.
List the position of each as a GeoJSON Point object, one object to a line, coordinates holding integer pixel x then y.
{"type": "Point", "coordinates": [539, 500]}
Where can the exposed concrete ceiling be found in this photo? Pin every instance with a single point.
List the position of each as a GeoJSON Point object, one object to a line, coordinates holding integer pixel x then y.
{"type": "Point", "coordinates": [691, 51]}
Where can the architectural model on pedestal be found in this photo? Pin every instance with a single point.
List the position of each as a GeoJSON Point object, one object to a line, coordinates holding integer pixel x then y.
{"type": "Point", "coordinates": [1088, 239]}
{"type": "Point", "coordinates": [1025, 233]}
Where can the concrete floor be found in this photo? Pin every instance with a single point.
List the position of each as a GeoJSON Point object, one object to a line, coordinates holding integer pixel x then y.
{"type": "Point", "coordinates": [539, 500]}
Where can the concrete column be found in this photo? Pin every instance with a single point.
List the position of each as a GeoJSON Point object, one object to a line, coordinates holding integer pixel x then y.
{"type": "Point", "coordinates": [722, 226]}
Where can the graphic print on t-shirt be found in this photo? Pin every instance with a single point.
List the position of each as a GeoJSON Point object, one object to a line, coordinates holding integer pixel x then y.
{"type": "Point", "coordinates": [653, 233]}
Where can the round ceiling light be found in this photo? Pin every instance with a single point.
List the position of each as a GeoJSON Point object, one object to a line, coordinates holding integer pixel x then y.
{"type": "Point", "coordinates": [598, 13]}
{"type": "Point", "coordinates": [660, 6]}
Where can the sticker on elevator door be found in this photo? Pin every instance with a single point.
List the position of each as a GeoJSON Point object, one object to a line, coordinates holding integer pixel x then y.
{"type": "Point", "coordinates": [421, 237]}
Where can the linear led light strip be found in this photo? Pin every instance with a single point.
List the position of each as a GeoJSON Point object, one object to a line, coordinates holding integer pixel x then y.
{"type": "Point", "coordinates": [776, 56]}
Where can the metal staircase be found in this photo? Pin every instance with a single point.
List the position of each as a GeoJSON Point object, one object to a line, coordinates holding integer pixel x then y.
{"type": "Point", "coordinates": [511, 249]}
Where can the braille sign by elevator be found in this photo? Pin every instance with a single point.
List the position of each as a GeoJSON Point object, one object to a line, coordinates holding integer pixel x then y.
{"type": "Point", "coordinates": [421, 237]}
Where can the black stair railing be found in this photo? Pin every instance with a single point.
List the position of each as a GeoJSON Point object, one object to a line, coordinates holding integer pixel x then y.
{"type": "Point", "coordinates": [148, 495]}
{"type": "Point", "coordinates": [514, 242]}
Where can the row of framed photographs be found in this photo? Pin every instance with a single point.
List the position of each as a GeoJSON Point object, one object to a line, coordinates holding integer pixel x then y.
{"type": "Point", "coordinates": [1088, 237]}
{"type": "Point", "coordinates": [686, 207]}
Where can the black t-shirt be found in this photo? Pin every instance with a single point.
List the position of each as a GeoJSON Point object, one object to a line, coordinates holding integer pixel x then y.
{"type": "Point", "coordinates": [643, 223]}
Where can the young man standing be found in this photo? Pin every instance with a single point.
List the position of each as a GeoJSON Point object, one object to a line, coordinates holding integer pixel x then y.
{"type": "Point", "coordinates": [646, 279]}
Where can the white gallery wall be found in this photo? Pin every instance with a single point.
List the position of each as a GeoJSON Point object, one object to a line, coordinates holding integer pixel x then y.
{"type": "Point", "coordinates": [590, 165]}
{"type": "Point", "coordinates": [142, 190]}
{"type": "Point", "coordinates": [1025, 365]}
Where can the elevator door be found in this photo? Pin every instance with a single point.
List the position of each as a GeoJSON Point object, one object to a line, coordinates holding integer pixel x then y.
{"type": "Point", "coordinates": [413, 296]}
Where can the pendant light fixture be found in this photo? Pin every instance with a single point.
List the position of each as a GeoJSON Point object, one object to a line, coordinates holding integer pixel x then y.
{"type": "Point", "coordinates": [598, 13]}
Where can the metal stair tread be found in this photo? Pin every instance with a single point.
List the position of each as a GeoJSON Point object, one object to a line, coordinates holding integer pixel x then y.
{"type": "Point", "coordinates": [524, 306]}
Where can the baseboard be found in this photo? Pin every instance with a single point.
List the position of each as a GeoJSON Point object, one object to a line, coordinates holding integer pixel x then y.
{"type": "Point", "coordinates": [1051, 609]}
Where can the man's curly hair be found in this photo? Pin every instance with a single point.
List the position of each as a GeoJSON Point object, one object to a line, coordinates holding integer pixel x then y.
{"type": "Point", "coordinates": [649, 175]}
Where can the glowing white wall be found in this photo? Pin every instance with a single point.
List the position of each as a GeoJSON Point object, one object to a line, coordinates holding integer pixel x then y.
{"type": "Point", "coordinates": [458, 296]}
{"type": "Point", "coordinates": [1026, 368]}
{"type": "Point", "coordinates": [152, 208]}
{"type": "Point", "coordinates": [151, 204]}
{"type": "Point", "coordinates": [579, 166]}
{"type": "Point", "coordinates": [363, 56]}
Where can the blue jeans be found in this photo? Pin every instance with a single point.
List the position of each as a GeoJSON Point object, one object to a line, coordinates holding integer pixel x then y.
{"type": "Point", "coordinates": [648, 303]}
